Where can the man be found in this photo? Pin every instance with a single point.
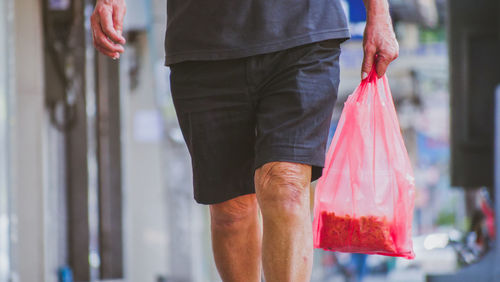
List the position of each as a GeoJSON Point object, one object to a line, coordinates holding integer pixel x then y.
{"type": "Point", "coordinates": [254, 83]}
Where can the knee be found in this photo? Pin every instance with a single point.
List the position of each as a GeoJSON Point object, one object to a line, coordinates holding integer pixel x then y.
{"type": "Point", "coordinates": [234, 213]}
{"type": "Point", "coordinates": [283, 188]}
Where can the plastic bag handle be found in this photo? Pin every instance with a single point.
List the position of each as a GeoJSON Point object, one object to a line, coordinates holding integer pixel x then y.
{"type": "Point", "coordinates": [372, 76]}
{"type": "Point", "coordinates": [370, 79]}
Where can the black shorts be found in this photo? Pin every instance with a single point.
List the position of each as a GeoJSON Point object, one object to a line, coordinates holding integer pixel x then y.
{"type": "Point", "coordinates": [239, 114]}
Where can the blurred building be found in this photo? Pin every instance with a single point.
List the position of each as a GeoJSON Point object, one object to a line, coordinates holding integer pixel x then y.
{"type": "Point", "coordinates": [94, 174]}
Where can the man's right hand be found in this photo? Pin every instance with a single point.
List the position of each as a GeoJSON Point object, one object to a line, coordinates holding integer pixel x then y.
{"type": "Point", "coordinates": [107, 27]}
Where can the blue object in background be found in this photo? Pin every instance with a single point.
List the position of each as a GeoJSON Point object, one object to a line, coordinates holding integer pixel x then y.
{"type": "Point", "coordinates": [333, 127]}
{"type": "Point", "coordinates": [359, 261]}
{"type": "Point", "coordinates": [65, 274]}
{"type": "Point", "coordinates": [357, 11]}
{"type": "Point", "coordinates": [356, 14]}
{"type": "Point", "coordinates": [431, 151]}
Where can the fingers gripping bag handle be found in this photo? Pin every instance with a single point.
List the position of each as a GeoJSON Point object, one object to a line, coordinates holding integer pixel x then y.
{"type": "Point", "coordinates": [364, 200]}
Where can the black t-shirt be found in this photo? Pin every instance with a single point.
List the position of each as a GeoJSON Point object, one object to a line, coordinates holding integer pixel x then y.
{"type": "Point", "coordinates": [227, 29]}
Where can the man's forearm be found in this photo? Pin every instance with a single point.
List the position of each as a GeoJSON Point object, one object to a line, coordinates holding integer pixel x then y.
{"type": "Point", "coordinates": [377, 11]}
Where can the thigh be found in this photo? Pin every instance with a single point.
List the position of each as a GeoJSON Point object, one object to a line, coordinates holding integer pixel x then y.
{"type": "Point", "coordinates": [218, 124]}
{"type": "Point", "coordinates": [296, 104]}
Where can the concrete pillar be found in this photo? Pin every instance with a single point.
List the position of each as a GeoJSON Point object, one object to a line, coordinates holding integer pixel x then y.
{"type": "Point", "coordinates": [29, 127]}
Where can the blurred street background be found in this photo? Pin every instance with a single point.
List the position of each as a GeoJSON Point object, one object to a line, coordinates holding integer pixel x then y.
{"type": "Point", "coordinates": [95, 179]}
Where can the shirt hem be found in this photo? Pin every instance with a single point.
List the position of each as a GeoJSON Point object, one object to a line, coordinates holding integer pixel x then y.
{"type": "Point", "coordinates": [212, 55]}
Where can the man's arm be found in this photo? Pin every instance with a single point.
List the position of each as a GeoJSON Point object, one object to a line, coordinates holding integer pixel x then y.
{"type": "Point", "coordinates": [378, 39]}
{"type": "Point", "coordinates": [107, 27]}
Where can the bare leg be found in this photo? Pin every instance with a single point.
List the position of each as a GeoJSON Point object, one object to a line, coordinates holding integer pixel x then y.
{"type": "Point", "coordinates": [283, 195]}
{"type": "Point", "coordinates": [236, 239]}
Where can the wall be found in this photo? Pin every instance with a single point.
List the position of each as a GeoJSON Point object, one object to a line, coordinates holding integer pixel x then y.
{"type": "Point", "coordinates": [36, 157]}
{"type": "Point", "coordinates": [28, 131]}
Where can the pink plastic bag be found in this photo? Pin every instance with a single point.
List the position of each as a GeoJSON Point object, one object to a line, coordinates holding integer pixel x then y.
{"type": "Point", "coordinates": [364, 200]}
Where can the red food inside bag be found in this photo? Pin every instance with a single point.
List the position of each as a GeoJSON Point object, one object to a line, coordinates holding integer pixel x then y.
{"type": "Point", "coordinates": [348, 234]}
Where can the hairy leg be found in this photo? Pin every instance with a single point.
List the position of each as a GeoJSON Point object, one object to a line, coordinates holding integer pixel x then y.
{"type": "Point", "coordinates": [283, 194]}
{"type": "Point", "coordinates": [236, 239]}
